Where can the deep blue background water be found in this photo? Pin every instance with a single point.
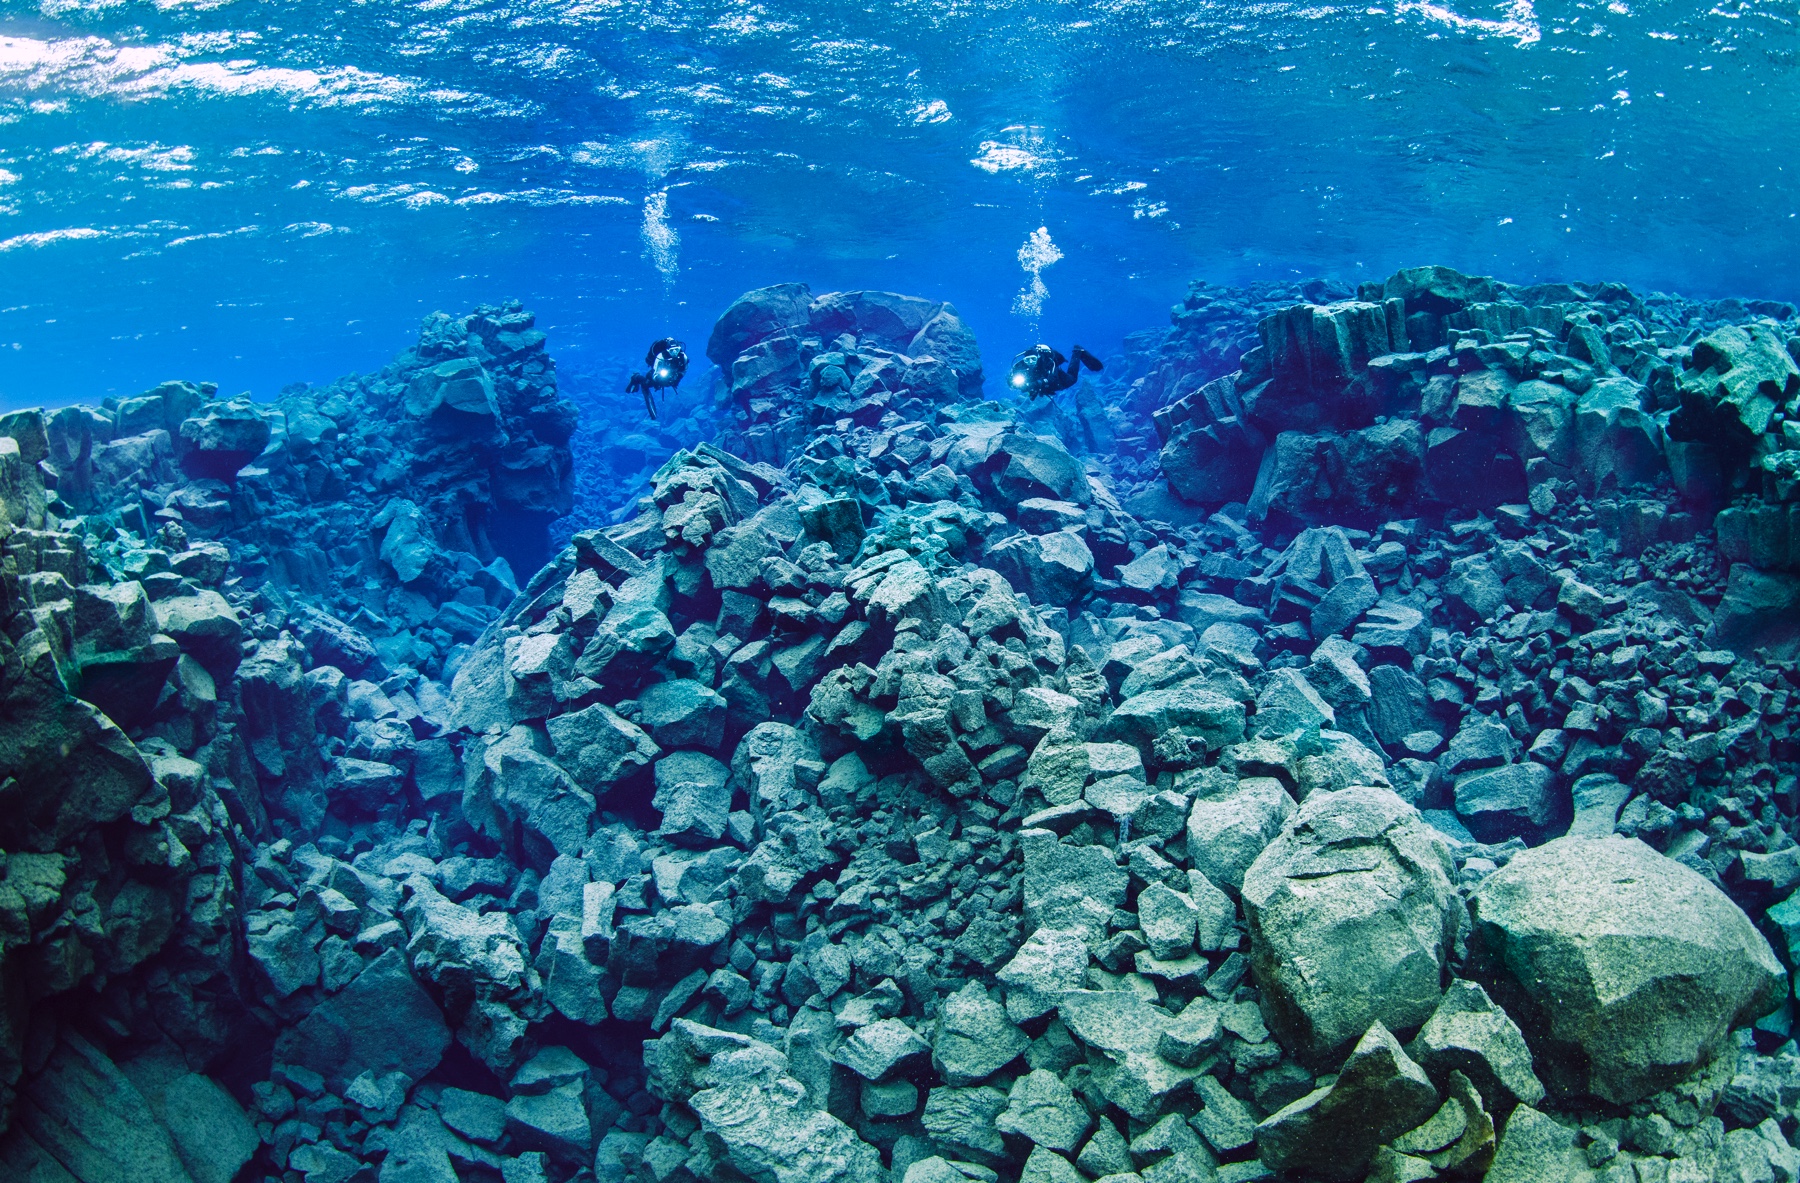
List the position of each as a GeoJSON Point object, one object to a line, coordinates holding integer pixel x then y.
{"type": "Point", "coordinates": [261, 192]}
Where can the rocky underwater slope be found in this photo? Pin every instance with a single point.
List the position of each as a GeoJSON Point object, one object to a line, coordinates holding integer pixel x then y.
{"type": "Point", "coordinates": [1352, 741]}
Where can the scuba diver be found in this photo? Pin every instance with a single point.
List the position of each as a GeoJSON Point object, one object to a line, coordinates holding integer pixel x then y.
{"type": "Point", "coordinates": [1039, 371]}
{"type": "Point", "coordinates": [667, 362]}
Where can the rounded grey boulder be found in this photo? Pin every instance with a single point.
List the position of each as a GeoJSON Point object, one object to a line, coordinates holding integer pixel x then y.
{"type": "Point", "coordinates": [1352, 917]}
{"type": "Point", "coordinates": [1625, 969]}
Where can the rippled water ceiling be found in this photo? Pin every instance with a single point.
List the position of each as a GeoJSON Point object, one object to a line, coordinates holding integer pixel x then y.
{"type": "Point", "coordinates": [260, 192]}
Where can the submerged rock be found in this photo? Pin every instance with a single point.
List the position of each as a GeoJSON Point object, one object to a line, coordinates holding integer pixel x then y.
{"type": "Point", "coordinates": [1625, 968]}
{"type": "Point", "coordinates": [1353, 919]}
{"type": "Point", "coordinates": [1333, 1132]}
{"type": "Point", "coordinates": [933, 789]}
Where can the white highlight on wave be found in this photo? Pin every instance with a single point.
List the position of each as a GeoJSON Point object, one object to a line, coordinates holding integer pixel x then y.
{"type": "Point", "coordinates": [94, 67]}
{"type": "Point", "coordinates": [1519, 21]}
{"type": "Point", "coordinates": [213, 234]}
{"type": "Point", "coordinates": [661, 242]}
{"type": "Point", "coordinates": [46, 237]}
{"type": "Point", "coordinates": [1019, 148]}
{"type": "Point", "coordinates": [152, 157]}
{"type": "Point", "coordinates": [936, 111]}
{"type": "Point", "coordinates": [540, 197]}
{"type": "Point", "coordinates": [313, 229]}
{"type": "Point", "coordinates": [1038, 253]}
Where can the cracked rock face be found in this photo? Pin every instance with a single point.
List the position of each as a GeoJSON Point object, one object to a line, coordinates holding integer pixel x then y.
{"type": "Point", "coordinates": [1348, 738]}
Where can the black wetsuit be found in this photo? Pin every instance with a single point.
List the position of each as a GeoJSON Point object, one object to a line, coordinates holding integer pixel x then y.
{"type": "Point", "coordinates": [667, 362]}
{"type": "Point", "coordinates": [1042, 372]}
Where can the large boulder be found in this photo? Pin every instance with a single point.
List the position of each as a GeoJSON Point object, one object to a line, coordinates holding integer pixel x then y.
{"type": "Point", "coordinates": [1353, 914]}
{"type": "Point", "coordinates": [407, 545]}
{"type": "Point", "coordinates": [1025, 466]}
{"type": "Point", "coordinates": [600, 749]}
{"type": "Point", "coordinates": [1366, 474]}
{"type": "Point", "coordinates": [514, 781]}
{"type": "Point", "coordinates": [693, 794]}
{"type": "Point", "coordinates": [1438, 290]}
{"type": "Point", "coordinates": [755, 315]}
{"type": "Point", "coordinates": [1512, 799]}
{"type": "Point", "coordinates": [762, 1119]}
{"type": "Point", "coordinates": [1067, 887]}
{"type": "Point", "coordinates": [122, 664]}
{"type": "Point", "coordinates": [1469, 1034]}
{"type": "Point", "coordinates": [1537, 1149]}
{"type": "Point", "coordinates": [1187, 707]}
{"type": "Point", "coordinates": [222, 439]}
{"type": "Point", "coordinates": [1625, 969]}
{"type": "Point", "coordinates": [1122, 1033]}
{"type": "Point", "coordinates": [1615, 443]}
{"type": "Point", "coordinates": [1053, 569]}
{"type": "Point", "coordinates": [1739, 377]}
{"type": "Point", "coordinates": [947, 338]}
{"type": "Point", "coordinates": [769, 1134]}
{"type": "Point", "coordinates": [94, 1121]}
{"type": "Point", "coordinates": [1213, 462]}
{"type": "Point", "coordinates": [212, 1133]}
{"type": "Point", "coordinates": [1314, 351]}
{"type": "Point", "coordinates": [206, 627]}
{"type": "Point", "coordinates": [455, 391]}
{"type": "Point", "coordinates": [71, 767]}
{"type": "Point", "coordinates": [1761, 610]}
{"type": "Point", "coordinates": [974, 1038]}
{"type": "Point", "coordinates": [682, 713]}
{"type": "Point", "coordinates": [888, 320]}
{"type": "Point", "coordinates": [1209, 454]}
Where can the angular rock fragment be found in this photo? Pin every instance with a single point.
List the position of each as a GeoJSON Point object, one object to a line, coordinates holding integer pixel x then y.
{"type": "Point", "coordinates": [1537, 1148]}
{"type": "Point", "coordinates": [1227, 833]}
{"type": "Point", "coordinates": [1226, 1123]}
{"type": "Point", "coordinates": [1333, 1132]}
{"type": "Point", "coordinates": [1469, 1034]}
{"type": "Point", "coordinates": [1052, 569]}
{"type": "Point", "coordinates": [1167, 918]}
{"type": "Point", "coordinates": [694, 796]}
{"type": "Point", "coordinates": [1458, 1137]}
{"type": "Point", "coordinates": [1123, 1031]}
{"type": "Point", "coordinates": [95, 1122]}
{"type": "Point", "coordinates": [1513, 800]}
{"type": "Point", "coordinates": [1047, 966]}
{"type": "Point", "coordinates": [682, 713]}
{"type": "Point", "coordinates": [599, 748]}
{"type": "Point", "coordinates": [963, 1121]}
{"type": "Point", "coordinates": [1070, 888]}
{"type": "Point", "coordinates": [383, 1021]}
{"type": "Point", "coordinates": [1041, 1108]}
{"type": "Point", "coordinates": [878, 1049]}
{"type": "Point", "coordinates": [974, 1037]}
{"type": "Point", "coordinates": [1187, 707]}
{"type": "Point", "coordinates": [768, 1135]}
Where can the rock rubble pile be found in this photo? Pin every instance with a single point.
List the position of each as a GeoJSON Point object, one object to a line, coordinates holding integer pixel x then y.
{"type": "Point", "coordinates": [911, 790]}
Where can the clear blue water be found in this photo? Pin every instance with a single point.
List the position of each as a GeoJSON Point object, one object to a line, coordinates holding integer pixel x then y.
{"type": "Point", "coordinates": [257, 192]}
